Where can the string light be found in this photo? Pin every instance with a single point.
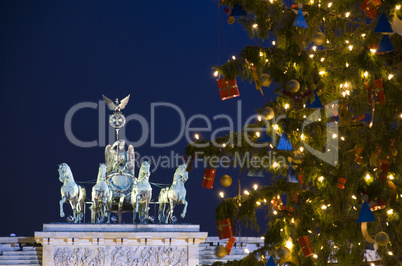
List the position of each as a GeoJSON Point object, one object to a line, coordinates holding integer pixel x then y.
{"type": "Point", "coordinates": [302, 136]}
{"type": "Point", "coordinates": [354, 197]}
{"type": "Point", "coordinates": [301, 149]}
{"type": "Point", "coordinates": [342, 138]}
{"type": "Point", "coordinates": [275, 212]}
{"type": "Point", "coordinates": [347, 14]}
{"type": "Point", "coordinates": [398, 7]}
{"type": "Point", "coordinates": [334, 136]}
{"type": "Point", "coordinates": [246, 250]}
{"type": "Point", "coordinates": [224, 145]}
{"type": "Point", "coordinates": [390, 211]}
{"type": "Point", "coordinates": [322, 72]}
{"type": "Point", "coordinates": [255, 186]}
{"type": "Point", "coordinates": [322, 59]}
{"type": "Point", "coordinates": [372, 50]}
{"type": "Point", "coordinates": [347, 64]}
{"type": "Point", "coordinates": [275, 165]}
{"type": "Point", "coordinates": [216, 73]}
{"type": "Point", "coordinates": [286, 106]}
{"type": "Point", "coordinates": [390, 76]}
{"type": "Point", "coordinates": [258, 203]}
{"type": "Point", "coordinates": [196, 136]}
{"type": "Point", "coordinates": [323, 207]}
{"type": "Point", "coordinates": [391, 177]}
{"type": "Point", "coordinates": [329, 4]}
{"type": "Point", "coordinates": [261, 54]}
{"type": "Point", "coordinates": [321, 178]}
{"type": "Point", "coordinates": [259, 118]}
{"type": "Point", "coordinates": [311, 56]}
{"type": "Point", "coordinates": [365, 74]}
{"type": "Point", "coordinates": [246, 192]}
{"type": "Point", "coordinates": [390, 253]}
{"type": "Point", "coordinates": [289, 244]}
{"type": "Point", "coordinates": [273, 42]}
{"type": "Point", "coordinates": [350, 47]}
{"type": "Point", "coordinates": [315, 256]}
{"type": "Point", "coordinates": [255, 26]}
{"type": "Point", "coordinates": [233, 57]}
{"type": "Point", "coordinates": [221, 194]}
{"type": "Point", "coordinates": [257, 134]}
{"type": "Point", "coordinates": [363, 35]}
{"type": "Point", "coordinates": [276, 127]}
{"type": "Point", "coordinates": [314, 48]}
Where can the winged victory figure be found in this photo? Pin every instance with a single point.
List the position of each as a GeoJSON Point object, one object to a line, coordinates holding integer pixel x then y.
{"type": "Point", "coordinates": [116, 106]}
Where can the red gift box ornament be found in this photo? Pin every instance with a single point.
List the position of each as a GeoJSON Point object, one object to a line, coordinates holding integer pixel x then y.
{"type": "Point", "coordinates": [376, 92]}
{"type": "Point", "coordinates": [305, 245]}
{"type": "Point", "coordinates": [229, 244]}
{"type": "Point", "coordinates": [224, 229]}
{"type": "Point", "coordinates": [370, 7]}
{"type": "Point", "coordinates": [341, 183]}
{"type": "Point", "coordinates": [209, 177]}
{"type": "Point", "coordinates": [228, 88]}
{"type": "Point", "coordinates": [383, 167]}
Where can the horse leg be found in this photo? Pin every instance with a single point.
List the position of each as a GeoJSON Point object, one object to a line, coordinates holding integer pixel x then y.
{"type": "Point", "coordinates": [93, 212]}
{"type": "Point", "coordinates": [134, 204]}
{"type": "Point", "coordinates": [161, 209]}
{"type": "Point", "coordinates": [183, 214]}
{"type": "Point", "coordinates": [170, 213]}
{"type": "Point", "coordinates": [63, 199]}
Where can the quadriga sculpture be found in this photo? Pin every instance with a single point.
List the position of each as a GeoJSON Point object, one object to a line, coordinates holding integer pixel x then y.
{"type": "Point", "coordinates": [173, 195]}
{"type": "Point", "coordinates": [72, 193]}
{"type": "Point", "coordinates": [141, 194]}
{"type": "Point", "coordinates": [101, 197]}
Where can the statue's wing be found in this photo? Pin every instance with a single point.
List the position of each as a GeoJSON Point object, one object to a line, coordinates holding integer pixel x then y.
{"type": "Point", "coordinates": [109, 157]}
{"type": "Point", "coordinates": [109, 103]}
{"type": "Point", "coordinates": [131, 159]}
{"type": "Point", "coordinates": [124, 102]}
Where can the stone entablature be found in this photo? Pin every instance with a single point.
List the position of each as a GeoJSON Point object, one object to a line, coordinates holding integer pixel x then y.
{"type": "Point", "coordinates": [120, 244]}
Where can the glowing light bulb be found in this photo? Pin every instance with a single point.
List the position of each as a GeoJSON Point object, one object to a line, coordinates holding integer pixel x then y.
{"type": "Point", "coordinates": [224, 145]}
{"type": "Point", "coordinates": [286, 106]}
{"type": "Point", "coordinates": [373, 51]}
{"type": "Point", "coordinates": [196, 136]}
{"type": "Point", "coordinates": [276, 127]}
{"type": "Point", "coordinates": [314, 48]}
{"type": "Point", "coordinates": [275, 165]}
{"type": "Point", "coordinates": [301, 149]}
{"type": "Point", "coordinates": [246, 250]}
{"type": "Point", "coordinates": [302, 136]}
{"type": "Point", "coordinates": [329, 4]}
{"type": "Point", "coordinates": [347, 14]}
{"type": "Point", "coordinates": [354, 197]}
{"type": "Point", "coordinates": [363, 35]}
{"type": "Point", "coordinates": [322, 59]}
{"type": "Point", "coordinates": [246, 192]}
{"type": "Point", "coordinates": [311, 56]}
{"type": "Point", "coordinates": [321, 178]}
{"type": "Point", "coordinates": [258, 203]}
{"type": "Point", "coordinates": [391, 177]}
{"type": "Point", "coordinates": [334, 136]}
{"type": "Point", "coordinates": [216, 73]}
{"type": "Point", "coordinates": [365, 74]}
{"type": "Point", "coordinates": [275, 212]}
{"type": "Point", "coordinates": [273, 42]}
{"type": "Point", "coordinates": [257, 134]}
{"type": "Point", "coordinates": [390, 211]}
{"type": "Point", "coordinates": [343, 138]}
{"type": "Point", "coordinates": [289, 244]}
{"type": "Point", "coordinates": [255, 186]}
{"type": "Point", "coordinates": [398, 7]}
{"type": "Point", "coordinates": [221, 194]}
{"type": "Point", "coordinates": [368, 177]}
{"type": "Point", "coordinates": [390, 76]}
{"type": "Point", "coordinates": [390, 253]}
{"type": "Point", "coordinates": [322, 72]}
{"type": "Point", "coordinates": [315, 256]}
{"type": "Point", "coordinates": [323, 207]}
{"type": "Point", "coordinates": [347, 64]}
{"type": "Point", "coordinates": [350, 47]}
{"type": "Point", "coordinates": [255, 26]}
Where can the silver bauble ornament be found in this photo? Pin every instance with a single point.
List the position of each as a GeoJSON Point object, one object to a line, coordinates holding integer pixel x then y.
{"type": "Point", "coordinates": [319, 38]}
{"type": "Point", "coordinates": [268, 113]}
{"type": "Point", "coordinates": [293, 86]}
{"type": "Point", "coordinates": [265, 80]}
{"type": "Point", "coordinates": [220, 251]}
{"type": "Point", "coordinates": [283, 253]}
{"type": "Point", "coordinates": [381, 238]}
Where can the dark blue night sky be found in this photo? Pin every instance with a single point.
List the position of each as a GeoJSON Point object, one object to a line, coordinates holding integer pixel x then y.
{"type": "Point", "coordinates": [56, 54]}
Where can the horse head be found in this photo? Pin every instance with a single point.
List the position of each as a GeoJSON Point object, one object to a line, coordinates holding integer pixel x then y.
{"type": "Point", "coordinates": [144, 171]}
{"type": "Point", "coordinates": [183, 174]}
{"type": "Point", "coordinates": [64, 172]}
{"type": "Point", "coordinates": [102, 172]}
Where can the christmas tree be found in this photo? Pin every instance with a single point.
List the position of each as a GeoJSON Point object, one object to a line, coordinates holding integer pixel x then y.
{"type": "Point", "coordinates": [336, 123]}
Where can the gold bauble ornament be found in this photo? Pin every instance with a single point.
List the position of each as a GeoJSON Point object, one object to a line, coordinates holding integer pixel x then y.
{"type": "Point", "coordinates": [319, 38]}
{"type": "Point", "coordinates": [293, 86]}
{"type": "Point", "coordinates": [265, 80]}
{"type": "Point", "coordinates": [226, 180]}
{"type": "Point", "coordinates": [381, 238]}
{"type": "Point", "coordinates": [268, 112]}
{"type": "Point", "coordinates": [220, 251]}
